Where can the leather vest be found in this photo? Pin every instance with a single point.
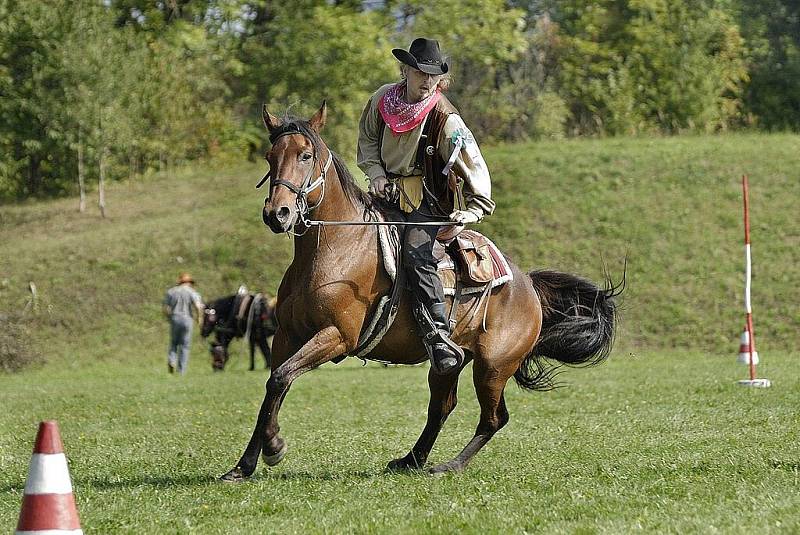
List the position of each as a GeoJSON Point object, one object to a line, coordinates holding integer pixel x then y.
{"type": "Point", "coordinates": [436, 182]}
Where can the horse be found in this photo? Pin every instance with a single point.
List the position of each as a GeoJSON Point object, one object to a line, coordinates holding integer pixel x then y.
{"type": "Point", "coordinates": [237, 316]}
{"type": "Point", "coordinates": [531, 326]}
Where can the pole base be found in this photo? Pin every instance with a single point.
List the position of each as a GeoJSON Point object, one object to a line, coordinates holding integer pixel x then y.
{"type": "Point", "coordinates": [756, 383]}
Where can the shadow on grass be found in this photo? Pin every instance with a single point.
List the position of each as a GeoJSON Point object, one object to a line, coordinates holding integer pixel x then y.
{"type": "Point", "coordinates": [192, 480]}
{"type": "Point", "coordinates": [165, 481]}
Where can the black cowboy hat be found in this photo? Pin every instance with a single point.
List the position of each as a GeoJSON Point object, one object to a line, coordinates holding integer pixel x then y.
{"type": "Point", "coordinates": [423, 55]}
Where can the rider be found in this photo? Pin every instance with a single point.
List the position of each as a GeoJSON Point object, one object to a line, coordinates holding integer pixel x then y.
{"type": "Point", "coordinates": [416, 150]}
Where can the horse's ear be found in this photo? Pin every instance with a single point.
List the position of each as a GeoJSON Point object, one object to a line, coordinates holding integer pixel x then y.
{"type": "Point", "coordinates": [270, 121]}
{"type": "Point", "coordinates": [318, 121]}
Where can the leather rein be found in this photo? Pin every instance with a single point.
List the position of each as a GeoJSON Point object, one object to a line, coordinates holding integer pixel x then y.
{"type": "Point", "coordinates": [309, 185]}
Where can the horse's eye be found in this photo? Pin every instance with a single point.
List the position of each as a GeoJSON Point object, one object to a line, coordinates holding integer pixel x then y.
{"type": "Point", "coordinates": [306, 156]}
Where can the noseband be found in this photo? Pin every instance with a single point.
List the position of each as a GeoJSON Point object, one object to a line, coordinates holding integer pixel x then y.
{"type": "Point", "coordinates": [301, 192]}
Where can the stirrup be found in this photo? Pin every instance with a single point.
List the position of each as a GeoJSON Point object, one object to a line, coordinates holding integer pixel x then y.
{"type": "Point", "coordinates": [438, 342]}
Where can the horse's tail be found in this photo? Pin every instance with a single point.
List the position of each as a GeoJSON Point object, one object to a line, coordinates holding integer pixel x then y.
{"type": "Point", "coordinates": [578, 320]}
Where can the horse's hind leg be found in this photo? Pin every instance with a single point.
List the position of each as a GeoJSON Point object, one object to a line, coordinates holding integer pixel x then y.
{"type": "Point", "coordinates": [443, 400]}
{"type": "Point", "coordinates": [489, 385]}
{"type": "Point", "coordinates": [252, 344]}
{"type": "Point", "coordinates": [264, 346]}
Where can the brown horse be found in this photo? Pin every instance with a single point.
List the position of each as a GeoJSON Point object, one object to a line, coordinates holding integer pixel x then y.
{"type": "Point", "coordinates": [337, 277]}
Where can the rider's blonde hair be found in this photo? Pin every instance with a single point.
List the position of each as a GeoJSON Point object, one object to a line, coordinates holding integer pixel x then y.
{"type": "Point", "coordinates": [444, 80]}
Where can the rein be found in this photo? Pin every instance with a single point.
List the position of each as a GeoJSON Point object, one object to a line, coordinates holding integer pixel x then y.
{"type": "Point", "coordinates": [309, 185]}
{"type": "Point", "coordinates": [314, 223]}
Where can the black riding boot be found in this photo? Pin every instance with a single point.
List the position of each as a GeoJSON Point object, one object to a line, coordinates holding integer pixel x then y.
{"type": "Point", "coordinates": [445, 355]}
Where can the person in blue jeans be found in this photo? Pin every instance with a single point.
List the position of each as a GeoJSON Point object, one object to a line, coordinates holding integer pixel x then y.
{"type": "Point", "coordinates": [180, 304]}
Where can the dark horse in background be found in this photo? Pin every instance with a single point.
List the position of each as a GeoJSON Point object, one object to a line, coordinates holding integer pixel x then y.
{"type": "Point", "coordinates": [531, 324]}
{"type": "Point", "coordinates": [237, 316]}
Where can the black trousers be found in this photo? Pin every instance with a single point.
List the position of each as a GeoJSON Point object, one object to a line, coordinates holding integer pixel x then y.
{"type": "Point", "coordinates": [418, 262]}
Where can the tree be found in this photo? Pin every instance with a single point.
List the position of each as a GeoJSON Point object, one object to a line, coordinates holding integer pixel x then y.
{"type": "Point", "coordinates": [772, 31]}
{"type": "Point", "coordinates": [636, 65]}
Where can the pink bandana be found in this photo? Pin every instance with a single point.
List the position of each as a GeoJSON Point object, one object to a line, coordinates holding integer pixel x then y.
{"type": "Point", "coordinates": [401, 116]}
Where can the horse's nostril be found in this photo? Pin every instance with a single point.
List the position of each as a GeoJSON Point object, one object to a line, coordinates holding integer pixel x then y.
{"type": "Point", "coordinates": [282, 214]}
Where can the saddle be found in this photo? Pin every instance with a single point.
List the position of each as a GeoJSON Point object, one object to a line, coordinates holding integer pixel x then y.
{"type": "Point", "coordinates": [471, 259]}
{"type": "Point", "coordinates": [467, 263]}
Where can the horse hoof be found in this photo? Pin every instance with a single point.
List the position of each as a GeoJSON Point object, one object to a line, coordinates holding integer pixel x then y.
{"type": "Point", "coordinates": [236, 475]}
{"type": "Point", "coordinates": [401, 465]}
{"type": "Point", "coordinates": [275, 458]}
{"type": "Point", "coordinates": [445, 468]}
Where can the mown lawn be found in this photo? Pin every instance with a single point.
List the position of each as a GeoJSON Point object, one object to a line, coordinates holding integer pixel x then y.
{"type": "Point", "coordinates": [659, 439]}
{"type": "Point", "coordinates": [654, 442]}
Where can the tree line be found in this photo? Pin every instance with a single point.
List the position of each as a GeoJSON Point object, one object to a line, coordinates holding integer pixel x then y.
{"type": "Point", "coordinates": [118, 88]}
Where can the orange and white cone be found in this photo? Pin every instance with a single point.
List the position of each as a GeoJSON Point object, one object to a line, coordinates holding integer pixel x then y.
{"type": "Point", "coordinates": [744, 349]}
{"type": "Point", "coordinates": [48, 505]}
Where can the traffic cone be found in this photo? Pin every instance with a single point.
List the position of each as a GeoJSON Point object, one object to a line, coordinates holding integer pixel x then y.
{"type": "Point", "coordinates": [48, 506]}
{"type": "Point", "coordinates": [744, 349]}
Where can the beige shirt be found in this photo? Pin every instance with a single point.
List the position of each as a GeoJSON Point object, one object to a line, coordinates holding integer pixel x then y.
{"type": "Point", "coordinates": [398, 153]}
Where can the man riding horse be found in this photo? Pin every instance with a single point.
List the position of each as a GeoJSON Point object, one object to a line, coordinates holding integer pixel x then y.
{"type": "Point", "coordinates": [337, 281]}
{"type": "Point", "coordinates": [416, 151]}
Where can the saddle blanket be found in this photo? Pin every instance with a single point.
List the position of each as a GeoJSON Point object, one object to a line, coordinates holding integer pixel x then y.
{"type": "Point", "coordinates": [444, 253]}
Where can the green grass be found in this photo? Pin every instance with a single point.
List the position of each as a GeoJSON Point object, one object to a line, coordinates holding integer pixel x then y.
{"type": "Point", "coordinates": [658, 439]}
{"type": "Point", "coordinates": [658, 443]}
{"type": "Point", "coordinates": [671, 206]}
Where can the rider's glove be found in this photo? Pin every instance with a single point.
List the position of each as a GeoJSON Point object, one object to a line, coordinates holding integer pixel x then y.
{"type": "Point", "coordinates": [377, 186]}
{"type": "Point", "coordinates": [465, 217]}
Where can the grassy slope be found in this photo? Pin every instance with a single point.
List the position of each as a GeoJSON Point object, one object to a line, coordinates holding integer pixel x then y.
{"type": "Point", "coordinates": [659, 443]}
{"type": "Point", "coordinates": [672, 206]}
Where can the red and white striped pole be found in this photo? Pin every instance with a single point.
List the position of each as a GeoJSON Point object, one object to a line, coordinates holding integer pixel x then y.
{"type": "Point", "coordinates": [48, 505]}
{"type": "Point", "coordinates": [747, 304]}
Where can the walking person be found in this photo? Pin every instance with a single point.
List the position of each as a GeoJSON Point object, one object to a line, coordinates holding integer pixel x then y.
{"type": "Point", "coordinates": [416, 151]}
{"type": "Point", "coordinates": [181, 302]}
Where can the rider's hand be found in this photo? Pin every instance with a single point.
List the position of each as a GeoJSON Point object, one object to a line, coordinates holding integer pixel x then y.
{"type": "Point", "coordinates": [464, 217]}
{"type": "Point", "coordinates": [377, 186]}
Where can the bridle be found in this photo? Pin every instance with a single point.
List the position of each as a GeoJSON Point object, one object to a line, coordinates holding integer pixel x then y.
{"type": "Point", "coordinates": [308, 185]}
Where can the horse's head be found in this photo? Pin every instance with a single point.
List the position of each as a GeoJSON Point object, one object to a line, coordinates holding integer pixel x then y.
{"type": "Point", "coordinates": [209, 321]}
{"type": "Point", "coordinates": [298, 161]}
{"type": "Point", "coordinates": [219, 356]}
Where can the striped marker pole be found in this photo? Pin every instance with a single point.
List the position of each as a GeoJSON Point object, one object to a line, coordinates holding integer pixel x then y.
{"type": "Point", "coordinates": [48, 505]}
{"type": "Point", "coordinates": [747, 306]}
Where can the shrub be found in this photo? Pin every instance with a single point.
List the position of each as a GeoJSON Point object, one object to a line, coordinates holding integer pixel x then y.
{"type": "Point", "coordinates": [16, 351]}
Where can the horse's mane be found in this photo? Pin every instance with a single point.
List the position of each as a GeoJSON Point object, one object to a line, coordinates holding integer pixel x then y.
{"type": "Point", "coordinates": [351, 190]}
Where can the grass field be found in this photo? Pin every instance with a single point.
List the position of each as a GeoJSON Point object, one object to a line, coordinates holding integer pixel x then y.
{"type": "Point", "coordinates": [658, 443]}
{"type": "Point", "coordinates": [659, 439]}
{"type": "Point", "coordinates": [671, 206]}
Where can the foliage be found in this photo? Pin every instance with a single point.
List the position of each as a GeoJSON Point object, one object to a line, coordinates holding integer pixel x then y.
{"type": "Point", "coordinates": [772, 29]}
{"type": "Point", "coordinates": [74, 79]}
{"type": "Point", "coordinates": [16, 351]}
{"type": "Point", "coordinates": [146, 85]}
{"type": "Point", "coordinates": [297, 72]}
{"type": "Point", "coordinates": [480, 48]}
{"type": "Point", "coordinates": [650, 65]}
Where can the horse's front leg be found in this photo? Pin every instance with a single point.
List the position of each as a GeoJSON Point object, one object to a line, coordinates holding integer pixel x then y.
{"type": "Point", "coordinates": [323, 346]}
